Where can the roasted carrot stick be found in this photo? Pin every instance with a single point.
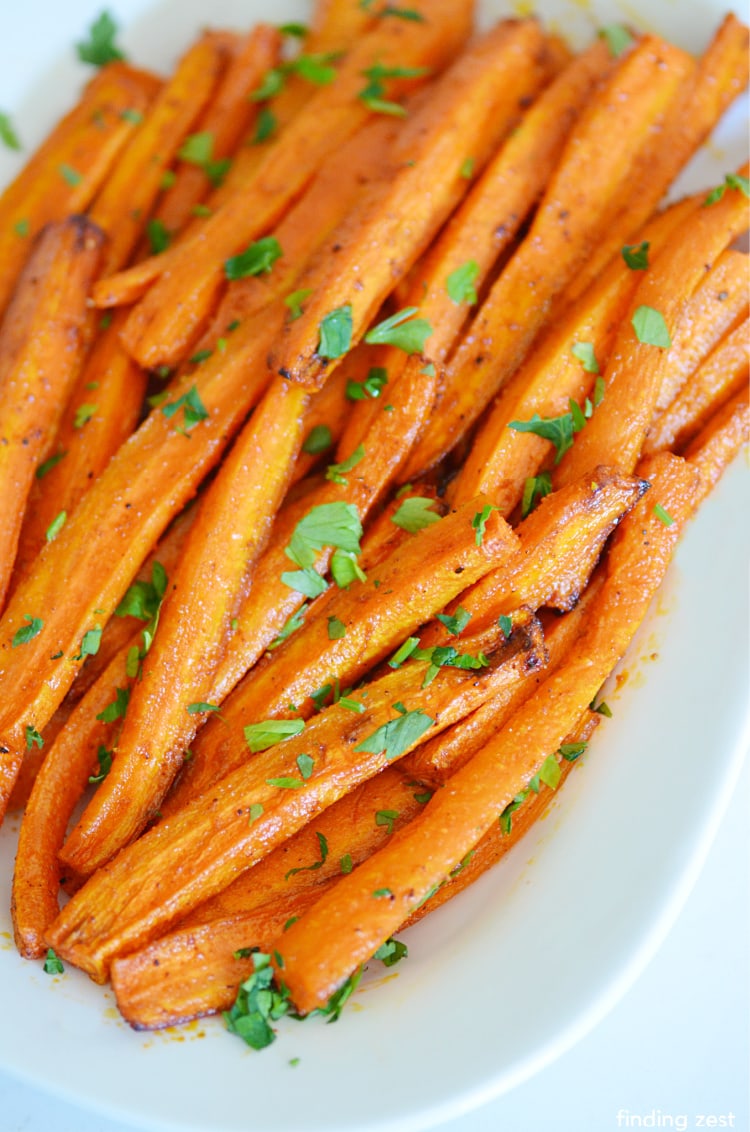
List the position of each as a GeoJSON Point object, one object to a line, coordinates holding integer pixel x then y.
{"type": "Point", "coordinates": [102, 412]}
{"type": "Point", "coordinates": [230, 532]}
{"type": "Point", "coordinates": [116, 524]}
{"type": "Point", "coordinates": [560, 542]}
{"type": "Point", "coordinates": [346, 926]}
{"type": "Point", "coordinates": [377, 616]}
{"type": "Point", "coordinates": [70, 166]}
{"type": "Point", "coordinates": [472, 106]}
{"type": "Point", "coordinates": [724, 373]}
{"type": "Point", "coordinates": [720, 76]}
{"type": "Point", "coordinates": [718, 305]}
{"type": "Point", "coordinates": [195, 853]}
{"type": "Point", "coordinates": [41, 348]}
{"type": "Point", "coordinates": [194, 974]}
{"type": "Point", "coordinates": [502, 458]}
{"type": "Point", "coordinates": [641, 354]}
{"type": "Point", "coordinates": [580, 202]}
{"type": "Point", "coordinates": [60, 784]}
{"type": "Point", "coordinates": [122, 207]}
{"type": "Point", "coordinates": [224, 120]}
{"type": "Point", "coordinates": [721, 440]}
{"type": "Point", "coordinates": [173, 312]}
{"type": "Point", "coordinates": [489, 218]}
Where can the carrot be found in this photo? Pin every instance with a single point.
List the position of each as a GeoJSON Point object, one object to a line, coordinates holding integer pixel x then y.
{"type": "Point", "coordinates": [580, 202]}
{"type": "Point", "coordinates": [486, 222]}
{"type": "Point", "coordinates": [168, 318]}
{"type": "Point", "coordinates": [101, 414]}
{"type": "Point", "coordinates": [560, 542]}
{"type": "Point", "coordinates": [224, 120]}
{"type": "Point", "coordinates": [634, 377]}
{"type": "Point", "coordinates": [189, 980]}
{"type": "Point", "coordinates": [436, 760]}
{"type": "Point", "coordinates": [195, 853]}
{"type": "Point", "coordinates": [61, 782]}
{"type": "Point", "coordinates": [41, 348]}
{"type": "Point", "coordinates": [272, 603]}
{"type": "Point", "coordinates": [724, 373]}
{"type": "Point", "coordinates": [122, 207]}
{"type": "Point", "coordinates": [718, 305]}
{"type": "Point", "coordinates": [345, 927]}
{"type": "Point", "coordinates": [178, 673]}
{"type": "Point", "coordinates": [114, 527]}
{"type": "Point", "coordinates": [720, 441]}
{"type": "Point", "coordinates": [70, 166]}
{"type": "Point", "coordinates": [720, 76]}
{"type": "Point", "coordinates": [502, 459]}
{"type": "Point", "coordinates": [376, 619]}
{"type": "Point", "coordinates": [471, 108]}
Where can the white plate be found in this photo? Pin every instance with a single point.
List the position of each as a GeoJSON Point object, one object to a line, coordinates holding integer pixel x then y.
{"type": "Point", "coordinates": [517, 969]}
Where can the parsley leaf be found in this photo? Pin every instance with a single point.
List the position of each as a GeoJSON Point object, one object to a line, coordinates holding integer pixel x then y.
{"type": "Point", "coordinates": [100, 48]}
{"type": "Point", "coordinates": [83, 414]}
{"type": "Point", "coordinates": [636, 255]}
{"type": "Point", "coordinates": [255, 812]}
{"type": "Point", "coordinates": [319, 439]}
{"type": "Point", "coordinates": [261, 736]}
{"type": "Point", "coordinates": [336, 332]}
{"type": "Point", "coordinates": [479, 522]}
{"type": "Point", "coordinates": [308, 582]}
{"type": "Point", "coordinates": [328, 524]}
{"type": "Point", "coordinates": [294, 302]}
{"type": "Point", "coordinates": [391, 952]}
{"type": "Point", "coordinates": [199, 706]}
{"type": "Point", "coordinates": [52, 964]}
{"type": "Point", "coordinates": [731, 181]}
{"type": "Point", "coordinates": [158, 236]}
{"type": "Point", "coordinates": [460, 283]}
{"type": "Point", "coordinates": [414, 514]}
{"type": "Point", "coordinates": [376, 379]}
{"type": "Point", "coordinates": [334, 472]}
{"type": "Point", "coordinates": [306, 765]}
{"type": "Point", "coordinates": [398, 735]}
{"type": "Point", "coordinates": [285, 783]}
{"type": "Point", "coordinates": [118, 707]}
{"type": "Point", "coordinates": [345, 864]}
{"type": "Point", "coordinates": [559, 430]}
{"type": "Point", "coordinates": [534, 489]}
{"type": "Point", "coordinates": [572, 751]}
{"type": "Point", "coordinates": [49, 464]}
{"type": "Point", "coordinates": [650, 327]}
{"type": "Point", "coordinates": [336, 629]}
{"type": "Point", "coordinates": [258, 1004]}
{"type": "Point", "coordinates": [57, 524]}
{"type": "Point", "coordinates": [387, 818]}
{"type": "Point", "coordinates": [345, 569]}
{"type": "Point", "coordinates": [104, 758]}
{"type": "Point", "coordinates": [69, 174]}
{"type": "Point", "coordinates": [584, 351]}
{"type": "Point", "coordinates": [663, 515]}
{"type": "Point", "coordinates": [143, 599]}
{"type": "Point", "coordinates": [401, 330]}
{"type": "Point", "coordinates": [265, 126]}
{"type": "Point", "coordinates": [194, 411]}
{"type": "Point", "coordinates": [258, 259]}
{"type": "Point", "coordinates": [550, 773]}
{"type": "Point", "coordinates": [33, 738]}
{"type": "Point", "coordinates": [618, 39]}
{"type": "Point", "coordinates": [27, 633]}
{"type": "Point", "coordinates": [296, 621]}
{"type": "Point", "coordinates": [457, 623]}
{"type": "Point", "coordinates": [322, 842]}
{"type": "Point", "coordinates": [404, 652]}
{"type": "Point", "coordinates": [8, 135]}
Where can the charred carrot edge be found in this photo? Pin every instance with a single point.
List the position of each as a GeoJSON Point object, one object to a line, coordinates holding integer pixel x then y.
{"type": "Point", "coordinates": [502, 458]}
{"type": "Point", "coordinates": [118, 522]}
{"type": "Point", "coordinates": [195, 621]}
{"type": "Point", "coordinates": [720, 76]}
{"type": "Point", "coordinates": [61, 782]}
{"type": "Point", "coordinates": [377, 618]}
{"type": "Point", "coordinates": [579, 203]}
{"type": "Point", "coordinates": [122, 207]}
{"type": "Point", "coordinates": [507, 189]}
{"type": "Point", "coordinates": [724, 373]}
{"type": "Point", "coordinates": [118, 909]}
{"type": "Point", "coordinates": [70, 166]}
{"type": "Point", "coordinates": [41, 348]}
{"type": "Point", "coordinates": [225, 118]}
{"type": "Point", "coordinates": [718, 304]}
{"type": "Point", "coordinates": [193, 271]}
{"type": "Point", "coordinates": [347, 925]}
{"type": "Point", "coordinates": [560, 542]}
{"type": "Point", "coordinates": [634, 377]}
{"type": "Point", "coordinates": [102, 412]}
{"type": "Point", "coordinates": [471, 108]}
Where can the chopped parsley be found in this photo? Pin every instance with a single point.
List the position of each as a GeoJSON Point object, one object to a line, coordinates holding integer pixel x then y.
{"type": "Point", "coordinates": [158, 237]}
{"type": "Point", "coordinates": [636, 255]}
{"type": "Point", "coordinates": [100, 48]}
{"type": "Point", "coordinates": [534, 490]}
{"type": "Point", "coordinates": [83, 414]}
{"type": "Point", "coordinates": [258, 259]}
{"type": "Point", "coordinates": [391, 952]}
{"type": "Point", "coordinates": [143, 599]}
{"type": "Point", "coordinates": [335, 472]}
{"type": "Point", "coordinates": [323, 845]}
{"type": "Point", "coordinates": [345, 569]}
{"type": "Point", "coordinates": [306, 765]}
{"type": "Point", "coordinates": [294, 302]}
{"type": "Point", "coordinates": [479, 522]}
{"type": "Point", "coordinates": [57, 524]}
{"type": "Point", "coordinates": [27, 633]}
{"type": "Point", "coordinates": [198, 150]}
{"type": "Point", "coordinates": [372, 386]}
{"type": "Point", "coordinates": [387, 818]}
{"type": "Point", "coordinates": [414, 514]}
{"type": "Point", "coordinates": [257, 1005]}
{"type": "Point", "coordinates": [404, 652]}
{"type": "Point", "coordinates": [559, 430]}
{"type": "Point", "coordinates": [265, 126]}
{"type": "Point", "coordinates": [53, 965]}
{"type": "Point", "coordinates": [663, 515]}
{"type": "Point", "coordinates": [296, 621]}
{"type": "Point", "coordinates": [285, 783]}
{"type": "Point", "coordinates": [572, 751]}
{"type": "Point", "coordinates": [8, 135]}
{"type": "Point", "coordinates": [33, 738]}
{"type": "Point", "coordinates": [460, 283]}
{"type": "Point", "coordinates": [199, 707]}
{"type": "Point", "coordinates": [397, 736]}
{"type": "Point", "coordinates": [345, 864]}
{"type": "Point", "coordinates": [336, 629]}
{"type": "Point", "coordinates": [194, 411]}
{"type": "Point", "coordinates": [731, 181]}
{"type": "Point", "coordinates": [69, 174]}
{"type": "Point", "coordinates": [336, 332]}
{"type": "Point", "coordinates": [308, 582]}
{"type": "Point", "coordinates": [650, 327]}
{"type": "Point", "coordinates": [261, 736]}
{"type": "Point", "coordinates": [584, 351]}
{"type": "Point", "coordinates": [455, 623]}
{"type": "Point", "coordinates": [104, 758]}
{"type": "Point", "coordinates": [401, 330]}
{"type": "Point", "coordinates": [319, 439]}
{"type": "Point", "coordinates": [118, 707]}
{"type": "Point", "coordinates": [328, 524]}
{"type": "Point", "coordinates": [618, 39]}
{"type": "Point", "coordinates": [255, 812]}
{"type": "Point", "coordinates": [90, 642]}
{"type": "Point", "coordinates": [49, 464]}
